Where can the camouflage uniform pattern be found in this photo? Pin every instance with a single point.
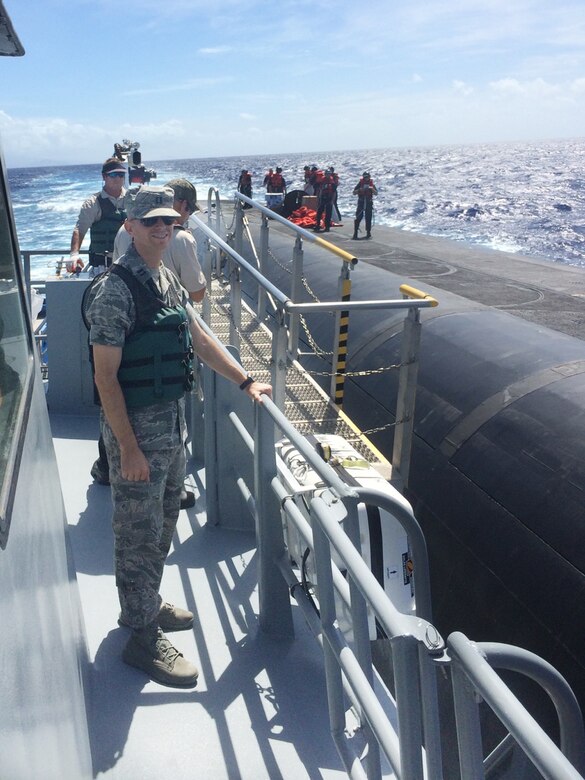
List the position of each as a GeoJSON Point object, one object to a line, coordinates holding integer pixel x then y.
{"type": "Point", "coordinates": [145, 513]}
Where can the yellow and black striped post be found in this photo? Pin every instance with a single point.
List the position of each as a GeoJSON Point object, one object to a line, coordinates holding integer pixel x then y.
{"type": "Point", "coordinates": [341, 336]}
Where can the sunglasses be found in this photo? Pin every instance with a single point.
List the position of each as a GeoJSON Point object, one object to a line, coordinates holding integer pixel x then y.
{"type": "Point", "coordinates": [116, 175]}
{"type": "Point", "coordinates": [151, 221]}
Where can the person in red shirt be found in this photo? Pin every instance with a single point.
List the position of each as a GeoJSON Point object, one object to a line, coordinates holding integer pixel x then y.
{"type": "Point", "coordinates": [327, 192]}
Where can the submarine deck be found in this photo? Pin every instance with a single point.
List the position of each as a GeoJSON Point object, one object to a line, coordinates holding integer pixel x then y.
{"type": "Point", "coordinates": [541, 291]}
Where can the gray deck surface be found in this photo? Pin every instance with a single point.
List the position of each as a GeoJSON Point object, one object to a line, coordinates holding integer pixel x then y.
{"type": "Point", "coordinates": [259, 709]}
{"type": "Point", "coordinates": [535, 289]}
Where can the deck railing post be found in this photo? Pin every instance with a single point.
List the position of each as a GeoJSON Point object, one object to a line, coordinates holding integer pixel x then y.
{"type": "Point", "coordinates": [211, 215]}
{"type": "Point", "coordinates": [264, 237]}
{"type": "Point", "coordinates": [239, 231]}
{"type": "Point", "coordinates": [361, 633]}
{"type": "Point", "coordinates": [406, 396]}
{"type": "Point", "coordinates": [235, 304]}
{"type": "Point", "coordinates": [296, 287]}
{"type": "Point", "coordinates": [408, 704]}
{"type": "Point", "coordinates": [207, 270]}
{"type": "Point", "coordinates": [468, 725]}
{"type": "Point", "coordinates": [210, 447]}
{"type": "Point", "coordinates": [339, 359]}
{"type": "Point", "coordinates": [274, 598]}
{"type": "Point", "coordinates": [279, 361]}
{"type": "Point", "coordinates": [328, 617]}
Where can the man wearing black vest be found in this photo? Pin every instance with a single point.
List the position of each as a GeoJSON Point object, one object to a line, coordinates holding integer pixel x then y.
{"type": "Point", "coordinates": [101, 214]}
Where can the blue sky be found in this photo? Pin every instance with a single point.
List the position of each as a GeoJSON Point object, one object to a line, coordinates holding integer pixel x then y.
{"type": "Point", "coordinates": [194, 78]}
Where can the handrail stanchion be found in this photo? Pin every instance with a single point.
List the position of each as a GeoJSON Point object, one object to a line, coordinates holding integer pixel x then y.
{"type": "Point", "coordinates": [264, 235]}
{"type": "Point", "coordinates": [210, 214]}
{"type": "Point", "coordinates": [431, 715]}
{"type": "Point", "coordinates": [239, 232]}
{"type": "Point", "coordinates": [406, 396]}
{"type": "Point", "coordinates": [279, 362]}
{"type": "Point", "coordinates": [207, 270]}
{"type": "Point", "coordinates": [408, 705]}
{"type": "Point", "coordinates": [235, 303]}
{"type": "Point", "coordinates": [361, 633]}
{"type": "Point", "coordinates": [339, 358]}
{"type": "Point", "coordinates": [210, 445]}
{"type": "Point", "coordinates": [275, 616]}
{"type": "Point", "coordinates": [296, 287]}
{"type": "Point", "coordinates": [468, 726]}
{"type": "Point", "coordinates": [328, 618]}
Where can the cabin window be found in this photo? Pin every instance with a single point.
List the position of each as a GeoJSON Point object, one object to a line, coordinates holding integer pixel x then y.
{"type": "Point", "coordinates": [16, 361]}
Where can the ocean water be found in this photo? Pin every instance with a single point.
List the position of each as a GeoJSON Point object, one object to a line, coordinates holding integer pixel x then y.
{"type": "Point", "coordinates": [527, 198]}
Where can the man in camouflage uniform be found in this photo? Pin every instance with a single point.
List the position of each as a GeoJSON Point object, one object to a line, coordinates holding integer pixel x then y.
{"type": "Point", "coordinates": [145, 439]}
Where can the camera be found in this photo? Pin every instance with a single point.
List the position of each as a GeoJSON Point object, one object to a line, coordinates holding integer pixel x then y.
{"type": "Point", "coordinates": [137, 172]}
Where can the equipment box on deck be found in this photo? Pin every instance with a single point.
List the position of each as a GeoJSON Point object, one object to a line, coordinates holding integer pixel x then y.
{"type": "Point", "coordinates": [310, 202]}
{"type": "Point", "coordinates": [384, 544]}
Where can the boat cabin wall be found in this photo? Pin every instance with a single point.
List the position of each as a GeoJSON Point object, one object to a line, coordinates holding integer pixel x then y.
{"type": "Point", "coordinates": [43, 721]}
{"type": "Point", "coordinates": [43, 657]}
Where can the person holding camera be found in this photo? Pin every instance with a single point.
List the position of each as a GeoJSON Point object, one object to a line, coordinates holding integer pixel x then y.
{"type": "Point", "coordinates": [365, 189]}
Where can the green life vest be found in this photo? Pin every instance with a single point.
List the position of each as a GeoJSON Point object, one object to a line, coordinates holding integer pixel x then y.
{"type": "Point", "coordinates": [103, 232]}
{"type": "Point", "coordinates": [157, 357]}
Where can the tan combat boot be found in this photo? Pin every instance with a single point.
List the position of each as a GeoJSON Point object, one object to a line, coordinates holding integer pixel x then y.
{"type": "Point", "coordinates": [150, 650]}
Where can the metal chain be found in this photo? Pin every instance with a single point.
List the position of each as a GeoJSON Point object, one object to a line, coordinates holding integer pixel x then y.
{"type": "Point", "coordinates": [308, 289]}
{"type": "Point", "coordinates": [380, 428]}
{"type": "Point", "coordinates": [316, 348]}
{"type": "Point", "coordinates": [278, 262]}
{"type": "Point", "coordinates": [353, 373]}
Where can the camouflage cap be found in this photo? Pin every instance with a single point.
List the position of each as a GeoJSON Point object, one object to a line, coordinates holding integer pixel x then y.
{"type": "Point", "coordinates": [184, 190]}
{"type": "Point", "coordinates": [141, 202]}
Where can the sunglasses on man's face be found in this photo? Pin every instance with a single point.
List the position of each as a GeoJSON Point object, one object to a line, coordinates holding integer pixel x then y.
{"type": "Point", "coordinates": [151, 221]}
{"type": "Point", "coordinates": [116, 175]}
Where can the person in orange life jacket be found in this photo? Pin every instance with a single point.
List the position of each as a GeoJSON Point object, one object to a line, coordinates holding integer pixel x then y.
{"type": "Point", "coordinates": [267, 178]}
{"type": "Point", "coordinates": [245, 185]}
{"type": "Point", "coordinates": [335, 178]}
{"type": "Point", "coordinates": [327, 193]}
{"type": "Point", "coordinates": [277, 182]}
{"type": "Point", "coordinates": [101, 214]}
{"type": "Point", "coordinates": [315, 179]}
{"type": "Point", "coordinates": [307, 175]}
{"type": "Point", "coordinates": [181, 257]}
{"type": "Point", "coordinates": [365, 189]}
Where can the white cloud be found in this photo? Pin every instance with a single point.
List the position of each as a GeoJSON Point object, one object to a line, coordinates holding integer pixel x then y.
{"type": "Point", "coordinates": [462, 88]}
{"type": "Point", "coordinates": [210, 50]}
{"type": "Point", "coordinates": [535, 88]}
{"type": "Point", "coordinates": [44, 141]}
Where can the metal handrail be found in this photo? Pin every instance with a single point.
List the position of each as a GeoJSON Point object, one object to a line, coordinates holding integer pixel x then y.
{"type": "Point", "coordinates": [26, 255]}
{"type": "Point", "coordinates": [417, 647]}
{"type": "Point", "coordinates": [472, 665]}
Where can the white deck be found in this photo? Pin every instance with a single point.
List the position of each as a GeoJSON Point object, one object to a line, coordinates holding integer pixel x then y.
{"type": "Point", "coordinates": [259, 709]}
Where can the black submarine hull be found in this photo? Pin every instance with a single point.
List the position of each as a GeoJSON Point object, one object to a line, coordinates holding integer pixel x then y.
{"type": "Point", "coordinates": [498, 461]}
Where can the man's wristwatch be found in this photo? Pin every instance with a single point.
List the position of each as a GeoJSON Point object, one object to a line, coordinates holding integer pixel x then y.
{"type": "Point", "coordinates": [247, 382]}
